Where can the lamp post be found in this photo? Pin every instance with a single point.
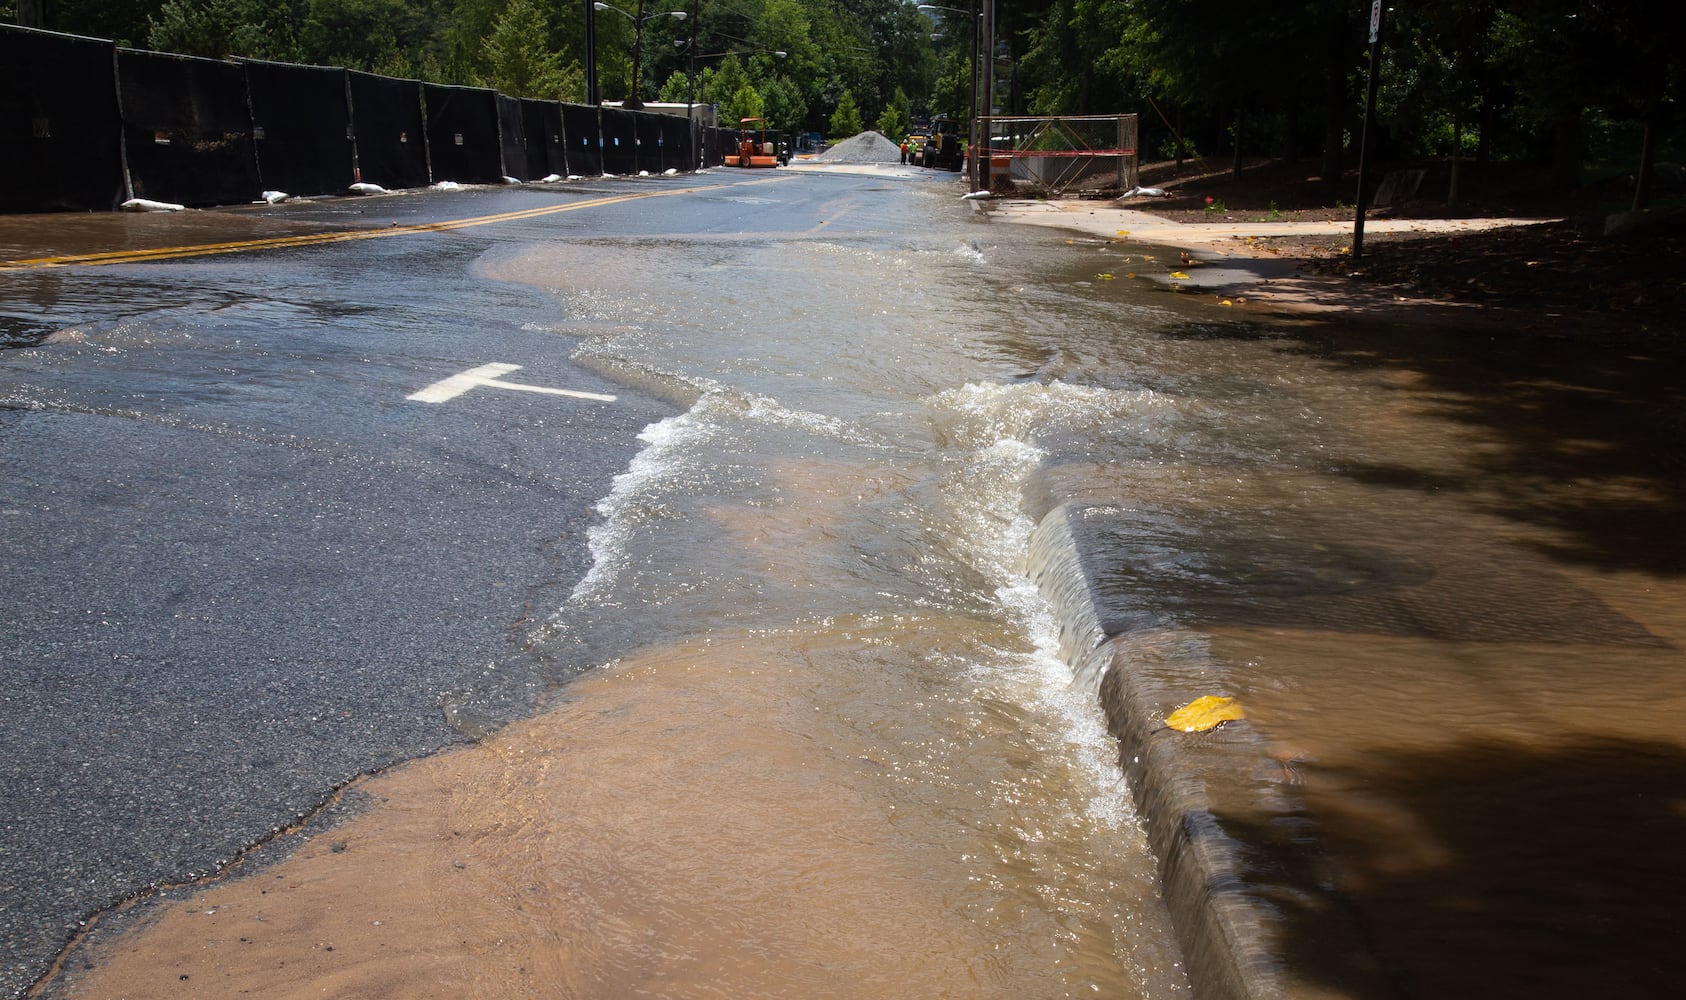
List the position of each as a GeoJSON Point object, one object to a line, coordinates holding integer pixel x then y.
{"type": "Point", "coordinates": [592, 98]}
{"type": "Point", "coordinates": [633, 100]}
{"type": "Point", "coordinates": [972, 170]}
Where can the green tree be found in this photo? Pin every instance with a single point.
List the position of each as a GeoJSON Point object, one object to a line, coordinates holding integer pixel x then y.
{"type": "Point", "coordinates": [210, 28]}
{"type": "Point", "coordinates": [127, 21]}
{"type": "Point", "coordinates": [372, 35]}
{"type": "Point", "coordinates": [520, 64]}
{"type": "Point", "coordinates": [728, 88]}
{"type": "Point", "coordinates": [895, 121]}
{"type": "Point", "coordinates": [846, 120]}
{"type": "Point", "coordinates": [783, 104]}
{"type": "Point", "coordinates": [677, 89]}
{"type": "Point", "coordinates": [745, 103]}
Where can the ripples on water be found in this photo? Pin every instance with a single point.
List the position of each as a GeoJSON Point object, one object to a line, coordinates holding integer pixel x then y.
{"type": "Point", "coordinates": [839, 513]}
{"type": "Point", "coordinates": [1341, 530]}
{"type": "Point", "coordinates": [836, 734]}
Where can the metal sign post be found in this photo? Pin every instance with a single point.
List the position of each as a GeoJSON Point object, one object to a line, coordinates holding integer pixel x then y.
{"type": "Point", "coordinates": [1364, 135]}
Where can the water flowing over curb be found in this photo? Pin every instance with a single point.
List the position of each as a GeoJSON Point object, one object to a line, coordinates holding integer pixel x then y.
{"type": "Point", "coordinates": [1194, 792]}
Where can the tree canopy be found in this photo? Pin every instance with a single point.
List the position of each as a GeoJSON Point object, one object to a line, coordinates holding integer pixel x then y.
{"type": "Point", "coordinates": [1566, 82]}
{"type": "Point", "coordinates": [792, 60]}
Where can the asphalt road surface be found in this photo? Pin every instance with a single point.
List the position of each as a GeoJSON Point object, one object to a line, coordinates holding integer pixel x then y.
{"type": "Point", "coordinates": [265, 514]}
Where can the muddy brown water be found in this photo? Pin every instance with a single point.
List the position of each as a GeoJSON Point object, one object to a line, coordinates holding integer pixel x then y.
{"type": "Point", "coordinates": [837, 745]}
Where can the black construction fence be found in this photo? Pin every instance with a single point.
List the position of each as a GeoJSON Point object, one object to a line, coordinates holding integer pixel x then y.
{"type": "Point", "coordinates": [582, 124]}
{"type": "Point", "coordinates": [620, 141]}
{"type": "Point", "coordinates": [86, 125]}
{"type": "Point", "coordinates": [462, 134]}
{"type": "Point", "coordinates": [61, 136]}
{"type": "Point", "coordinates": [301, 124]}
{"type": "Point", "coordinates": [187, 135]}
{"type": "Point", "coordinates": [391, 129]}
{"type": "Point", "coordinates": [722, 143]}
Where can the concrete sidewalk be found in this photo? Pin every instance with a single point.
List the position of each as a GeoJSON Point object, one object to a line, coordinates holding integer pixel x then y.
{"type": "Point", "coordinates": [1110, 220]}
{"type": "Point", "coordinates": [1237, 265]}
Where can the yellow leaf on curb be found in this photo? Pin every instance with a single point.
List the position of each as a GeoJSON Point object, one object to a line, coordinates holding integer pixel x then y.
{"type": "Point", "coordinates": [1105, 276]}
{"type": "Point", "coordinates": [1179, 275]}
{"type": "Point", "coordinates": [1205, 713]}
{"type": "Point", "coordinates": [1228, 302]}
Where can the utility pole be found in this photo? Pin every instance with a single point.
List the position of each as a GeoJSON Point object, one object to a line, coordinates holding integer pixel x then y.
{"type": "Point", "coordinates": [1364, 136]}
{"type": "Point", "coordinates": [697, 133]}
{"type": "Point", "coordinates": [972, 148]}
{"type": "Point", "coordinates": [592, 97]}
{"type": "Point", "coordinates": [633, 100]}
{"type": "Point", "coordinates": [32, 13]}
{"type": "Point", "coordinates": [986, 83]}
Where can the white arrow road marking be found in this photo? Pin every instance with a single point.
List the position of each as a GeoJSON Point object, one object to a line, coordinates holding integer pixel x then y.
{"type": "Point", "coordinates": [450, 388]}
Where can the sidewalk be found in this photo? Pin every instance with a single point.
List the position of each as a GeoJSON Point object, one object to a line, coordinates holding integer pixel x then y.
{"type": "Point", "coordinates": [1236, 264]}
{"type": "Point", "coordinates": [1229, 238]}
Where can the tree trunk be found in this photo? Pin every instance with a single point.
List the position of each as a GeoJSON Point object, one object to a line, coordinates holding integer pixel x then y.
{"type": "Point", "coordinates": [1235, 164]}
{"type": "Point", "coordinates": [1647, 154]}
{"type": "Point", "coordinates": [1334, 124]}
{"type": "Point", "coordinates": [1484, 141]}
{"type": "Point", "coordinates": [1291, 149]}
{"type": "Point", "coordinates": [1566, 150]}
{"type": "Point", "coordinates": [1457, 156]}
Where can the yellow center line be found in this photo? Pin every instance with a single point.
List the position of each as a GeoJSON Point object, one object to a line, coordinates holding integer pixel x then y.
{"type": "Point", "coordinates": [317, 239]}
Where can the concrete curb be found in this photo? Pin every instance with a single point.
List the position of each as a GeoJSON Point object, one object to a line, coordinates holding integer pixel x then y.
{"type": "Point", "coordinates": [1248, 890]}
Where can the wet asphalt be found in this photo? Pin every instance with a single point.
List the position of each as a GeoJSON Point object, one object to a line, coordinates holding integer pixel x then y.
{"type": "Point", "coordinates": [242, 567]}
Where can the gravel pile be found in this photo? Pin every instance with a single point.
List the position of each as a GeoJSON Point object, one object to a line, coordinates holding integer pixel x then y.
{"type": "Point", "coordinates": [868, 147]}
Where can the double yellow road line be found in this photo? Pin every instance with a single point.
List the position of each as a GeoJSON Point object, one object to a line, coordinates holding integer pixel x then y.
{"type": "Point", "coordinates": [317, 239]}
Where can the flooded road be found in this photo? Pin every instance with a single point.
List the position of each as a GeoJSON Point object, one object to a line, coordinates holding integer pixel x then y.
{"type": "Point", "coordinates": [934, 492]}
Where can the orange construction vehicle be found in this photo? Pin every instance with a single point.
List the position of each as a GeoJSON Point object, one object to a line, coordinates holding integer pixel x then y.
{"type": "Point", "coordinates": [757, 146]}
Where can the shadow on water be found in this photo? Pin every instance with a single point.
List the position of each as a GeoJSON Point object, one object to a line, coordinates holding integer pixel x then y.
{"type": "Point", "coordinates": [1587, 431]}
{"type": "Point", "coordinates": [1500, 805]}
{"type": "Point", "coordinates": [1503, 895]}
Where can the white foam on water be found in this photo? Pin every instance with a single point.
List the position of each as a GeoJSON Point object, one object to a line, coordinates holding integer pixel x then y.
{"type": "Point", "coordinates": [635, 496]}
{"type": "Point", "coordinates": [674, 450]}
{"type": "Point", "coordinates": [994, 426]}
{"type": "Point", "coordinates": [977, 414]}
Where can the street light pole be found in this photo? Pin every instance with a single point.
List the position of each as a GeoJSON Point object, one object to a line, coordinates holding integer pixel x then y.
{"type": "Point", "coordinates": [633, 100]}
{"type": "Point", "coordinates": [972, 134]}
{"type": "Point", "coordinates": [592, 97]}
{"type": "Point", "coordinates": [691, 90]}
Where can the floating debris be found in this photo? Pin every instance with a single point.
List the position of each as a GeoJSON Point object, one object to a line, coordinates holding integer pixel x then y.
{"type": "Point", "coordinates": [1205, 713]}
